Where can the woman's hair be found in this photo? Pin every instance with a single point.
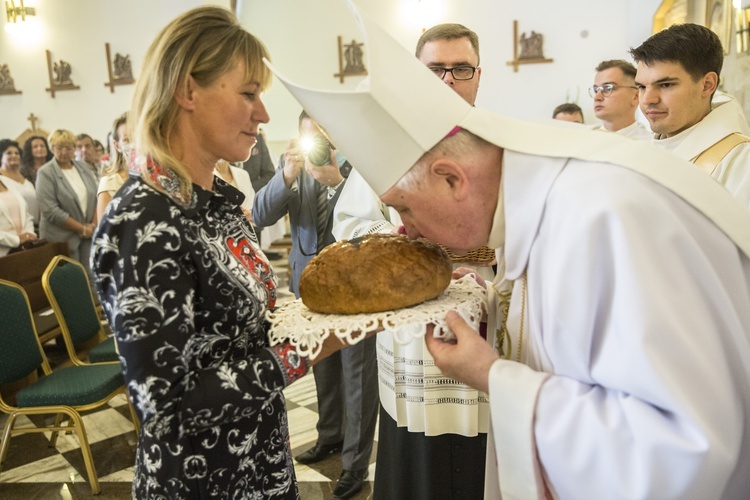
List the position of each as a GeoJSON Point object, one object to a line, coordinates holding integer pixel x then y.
{"type": "Point", "coordinates": [28, 169]}
{"type": "Point", "coordinates": [205, 43]}
{"type": "Point", "coordinates": [8, 143]}
{"type": "Point", "coordinates": [118, 161]}
{"type": "Point", "coordinates": [61, 136]}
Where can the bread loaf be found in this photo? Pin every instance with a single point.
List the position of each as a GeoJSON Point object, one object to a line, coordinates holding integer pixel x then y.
{"type": "Point", "coordinates": [374, 273]}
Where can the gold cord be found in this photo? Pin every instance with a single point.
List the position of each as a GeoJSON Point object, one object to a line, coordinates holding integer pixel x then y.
{"type": "Point", "coordinates": [523, 318]}
{"type": "Point", "coordinates": [502, 334]}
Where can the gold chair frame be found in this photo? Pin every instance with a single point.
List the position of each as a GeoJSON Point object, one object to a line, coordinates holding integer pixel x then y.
{"type": "Point", "coordinates": [75, 422]}
{"type": "Point", "coordinates": [74, 355]}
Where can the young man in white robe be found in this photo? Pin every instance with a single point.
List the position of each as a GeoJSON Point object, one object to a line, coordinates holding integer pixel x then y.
{"type": "Point", "coordinates": [678, 74]}
{"type": "Point", "coordinates": [616, 99]}
{"type": "Point", "coordinates": [626, 370]}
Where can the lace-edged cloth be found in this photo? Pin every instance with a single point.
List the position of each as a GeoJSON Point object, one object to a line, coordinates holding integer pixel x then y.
{"type": "Point", "coordinates": [306, 330]}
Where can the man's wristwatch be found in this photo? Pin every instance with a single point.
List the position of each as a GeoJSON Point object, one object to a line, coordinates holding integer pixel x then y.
{"type": "Point", "coordinates": [83, 232]}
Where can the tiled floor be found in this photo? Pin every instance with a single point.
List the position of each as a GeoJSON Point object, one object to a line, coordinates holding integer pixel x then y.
{"type": "Point", "coordinates": [33, 470]}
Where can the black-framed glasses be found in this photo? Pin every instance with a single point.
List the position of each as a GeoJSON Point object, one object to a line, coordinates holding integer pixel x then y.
{"type": "Point", "coordinates": [458, 73]}
{"type": "Point", "coordinates": [607, 89]}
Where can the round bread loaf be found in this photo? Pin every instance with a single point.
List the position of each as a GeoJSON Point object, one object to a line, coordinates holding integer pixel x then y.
{"type": "Point", "coordinates": [374, 273]}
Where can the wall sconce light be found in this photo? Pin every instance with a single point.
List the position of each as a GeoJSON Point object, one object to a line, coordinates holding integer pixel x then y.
{"type": "Point", "coordinates": [16, 13]}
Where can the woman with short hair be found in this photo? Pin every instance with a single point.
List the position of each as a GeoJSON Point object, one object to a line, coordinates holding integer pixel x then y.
{"type": "Point", "coordinates": [66, 192]}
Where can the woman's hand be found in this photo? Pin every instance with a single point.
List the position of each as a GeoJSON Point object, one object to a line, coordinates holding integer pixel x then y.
{"type": "Point", "coordinates": [88, 231]}
{"type": "Point", "coordinates": [468, 358]}
{"type": "Point", "coordinates": [26, 237]}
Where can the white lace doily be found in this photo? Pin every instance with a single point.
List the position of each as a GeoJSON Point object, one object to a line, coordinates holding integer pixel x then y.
{"type": "Point", "coordinates": [306, 330]}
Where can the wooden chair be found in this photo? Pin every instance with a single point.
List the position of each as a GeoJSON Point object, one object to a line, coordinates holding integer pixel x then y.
{"type": "Point", "coordinates": [26, 269]}
{"type": "Point", "coordinates": [64, 392]}
{"type": "Point", "coordinates": [66, 284]}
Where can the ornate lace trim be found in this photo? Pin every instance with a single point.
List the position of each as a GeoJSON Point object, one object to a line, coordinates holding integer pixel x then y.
{"type": "Point", "coordinates": [306, 330]}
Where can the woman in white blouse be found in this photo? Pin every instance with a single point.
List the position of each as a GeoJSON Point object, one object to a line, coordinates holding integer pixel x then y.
{"type": "Point", "coordinates": [66, 192]}
{"type": "Point", "coordinates": [10, 168]}
{"type": "Point", "coordinates": [16, 224]}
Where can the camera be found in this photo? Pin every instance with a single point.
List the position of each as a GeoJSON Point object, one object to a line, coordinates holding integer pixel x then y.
{"type": "Point", "coordinates": [318, 150]}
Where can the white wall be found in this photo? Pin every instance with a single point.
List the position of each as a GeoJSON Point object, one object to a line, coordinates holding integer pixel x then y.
{"type": "Point", "coordinates": [309, 55]}
{"type": "Point", "coordinates": [76, 31]}
{"type": "Point", "coordinates": [301, 37]}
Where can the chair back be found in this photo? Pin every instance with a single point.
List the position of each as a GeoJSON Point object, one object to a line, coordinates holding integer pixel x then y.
{"type": "Point", "coordinates": [20, 352]}
{"type": "Point", "coordinates": [66, 284]}
{"type": "Point", "coordinates": [26, 269]}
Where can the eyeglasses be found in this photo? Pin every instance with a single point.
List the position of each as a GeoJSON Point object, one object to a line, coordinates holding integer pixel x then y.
{"type": "Point", "coordinates": [63, 148]}
{"type": "Point", "coordinates": [458, 73]}
{"type": "Point", "coordinates": [607, 89]}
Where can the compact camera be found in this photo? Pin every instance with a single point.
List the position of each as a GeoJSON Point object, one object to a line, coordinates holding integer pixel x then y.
{"type": "Point", "coordinates": [318, 150]}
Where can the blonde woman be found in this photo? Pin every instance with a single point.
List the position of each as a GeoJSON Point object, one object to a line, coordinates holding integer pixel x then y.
{"type": "Point", "coordinates": [66, 193]}
{"type": "Point", "coordinates": [116, 173]}
{"type": "Point", "coordinates": [184, 283]}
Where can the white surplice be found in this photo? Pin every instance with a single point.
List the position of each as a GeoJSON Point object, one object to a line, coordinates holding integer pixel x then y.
{"type": "Point", "coordinates": [634, 380]}
{"type": "Point", "coordinates": [733, 172]}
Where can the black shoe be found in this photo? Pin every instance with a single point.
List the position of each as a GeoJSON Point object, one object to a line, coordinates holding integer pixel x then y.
{"type": "Point", "coordinates": [318, 453]}
{"type": "Point", "coordinates": [350, 483]}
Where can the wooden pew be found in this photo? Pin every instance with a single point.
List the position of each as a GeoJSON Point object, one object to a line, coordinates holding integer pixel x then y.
{"type": "Point", "coordinates": [26, 269]}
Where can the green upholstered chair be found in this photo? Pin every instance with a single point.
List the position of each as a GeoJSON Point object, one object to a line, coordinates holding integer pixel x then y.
{"type": "Point", "coordinates": [68, 290]}
{"type": "Point", "coordinates": [64, 392]}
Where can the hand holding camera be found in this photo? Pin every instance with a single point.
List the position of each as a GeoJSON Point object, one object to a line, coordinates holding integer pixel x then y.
{"type": "Point", "coordinates": [321, 162]}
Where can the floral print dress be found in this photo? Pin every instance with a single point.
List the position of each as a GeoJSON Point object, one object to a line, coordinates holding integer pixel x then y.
{"type": "Point", "coordinates": [185, 288]}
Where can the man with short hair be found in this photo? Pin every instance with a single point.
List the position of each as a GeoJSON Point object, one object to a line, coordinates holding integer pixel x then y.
{"type": "Point", "coordinates": [625, 365]}
{"type": "Point", "coordinates": [86, 153]}
{"type": "Point", "coordinates": [451, 52]}
{"type": "Point", "coordinates": [678, 74]}
{"type": "Point", "coordinates": [433, 431]}
{"type": "Point", "coordinates": [347, 381]}
{"type": "Point", "coordinates": [616, 99]}
{"type": "Point", "coordinates": [568, 112]}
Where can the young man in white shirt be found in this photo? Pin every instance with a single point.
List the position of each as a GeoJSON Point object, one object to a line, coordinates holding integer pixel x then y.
{"type": "Point", "coordinates": [616, 99]}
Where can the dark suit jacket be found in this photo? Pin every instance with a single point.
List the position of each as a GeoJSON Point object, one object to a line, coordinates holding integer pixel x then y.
{"type": "Point", "coordinates": [275, 200]}
{"type": "Point", "coordinates": [259, 165]}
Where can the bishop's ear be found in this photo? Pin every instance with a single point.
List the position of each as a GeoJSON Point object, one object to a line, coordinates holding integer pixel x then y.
{"type": "Point", "coordinates": [449, 175]}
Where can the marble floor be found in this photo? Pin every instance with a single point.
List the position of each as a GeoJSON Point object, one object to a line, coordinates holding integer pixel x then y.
{"type": "Point", "coordinates": [33, 470]}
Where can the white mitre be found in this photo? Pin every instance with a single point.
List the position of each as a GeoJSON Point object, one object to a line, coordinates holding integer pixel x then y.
{"type": "Point", "coordinates": [386, 124]}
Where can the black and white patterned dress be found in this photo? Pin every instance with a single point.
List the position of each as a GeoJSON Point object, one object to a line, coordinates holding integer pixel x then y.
{"type": "Point", "coordinates": [185, 288]}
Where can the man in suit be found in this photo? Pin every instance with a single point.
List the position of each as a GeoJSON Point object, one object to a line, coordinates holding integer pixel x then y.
{"type": "Point", "coordinates": [260, 168]}
{"type": "Point", "coordinates": [86, 152]}
{"type": "Point", "coordinates": [347, 384]}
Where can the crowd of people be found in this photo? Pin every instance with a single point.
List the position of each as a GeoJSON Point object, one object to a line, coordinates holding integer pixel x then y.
{"type": "Point", "coordinates": [620, 292]}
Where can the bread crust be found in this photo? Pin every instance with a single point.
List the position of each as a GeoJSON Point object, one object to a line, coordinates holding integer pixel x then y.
{"type": "Point", "coordinates": [374, 273]}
